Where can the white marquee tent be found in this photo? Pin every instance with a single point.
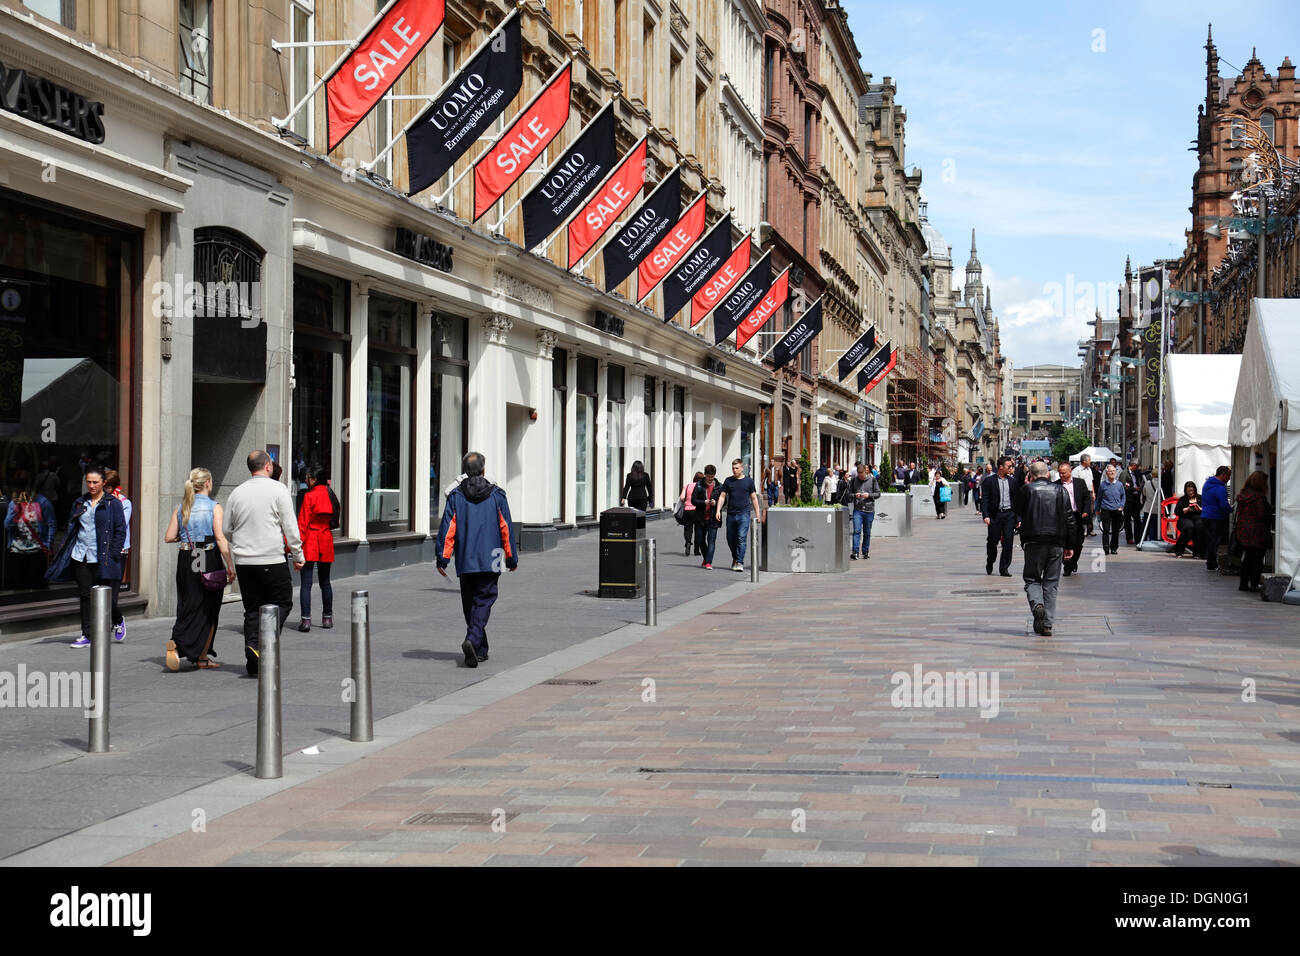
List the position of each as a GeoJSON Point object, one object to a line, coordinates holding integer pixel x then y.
{"type": "Point", "coordinates": [1265, 424]}
{"type": "Point", "coordinates": [1198, 405]}
{"type": "Point", "coordinates": [1099, 455]}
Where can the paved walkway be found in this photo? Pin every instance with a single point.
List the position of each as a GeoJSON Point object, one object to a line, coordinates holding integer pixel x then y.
{"type": "Point", "coordinates": [771, 736]}
{"type": "Point", "coordinates": [172, 732]}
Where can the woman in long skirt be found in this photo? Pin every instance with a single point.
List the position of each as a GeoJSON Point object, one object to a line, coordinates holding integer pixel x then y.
{"type": "Point", "coordinates": [196, 525]}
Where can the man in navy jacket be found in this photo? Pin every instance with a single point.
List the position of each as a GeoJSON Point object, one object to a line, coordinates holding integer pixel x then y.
{"type": "Point", "coordinates": [1214, 514]}
{"type": "Point", "coordinates": [475, 530]}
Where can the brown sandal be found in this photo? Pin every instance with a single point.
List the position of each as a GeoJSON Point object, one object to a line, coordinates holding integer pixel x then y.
{"type": "Point", "coordinates": [205, 664]}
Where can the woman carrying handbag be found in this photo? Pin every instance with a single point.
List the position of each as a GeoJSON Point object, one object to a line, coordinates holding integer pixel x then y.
{"type": "Point", "coordinates": [201, 575]}
{"type": "Point", "coordinates": [941, 488]}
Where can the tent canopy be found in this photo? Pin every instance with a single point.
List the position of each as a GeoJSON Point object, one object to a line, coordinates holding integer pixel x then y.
{"type": "Point", "coordinates": [1198, 407]}
{"type": "Point", "coordinates": [1097, 453]}
{"type": "Point", "coordinates": [1267, 404]}
{"type": "Point", "coordinates": [1268, 388]}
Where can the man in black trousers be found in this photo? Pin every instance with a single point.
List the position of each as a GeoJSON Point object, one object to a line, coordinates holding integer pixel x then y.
{"type": "Point", "coordinates": [1080, 495]}
{"type": "Point", "coordinates": [1048, 531]}
{"type": "Point", "coordinates": [997, 494]}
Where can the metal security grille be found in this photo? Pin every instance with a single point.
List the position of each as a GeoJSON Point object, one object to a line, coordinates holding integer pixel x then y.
{"type": "Point", "coordinates": [228, 272]}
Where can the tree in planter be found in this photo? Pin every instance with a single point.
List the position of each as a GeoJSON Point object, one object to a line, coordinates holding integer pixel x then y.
{"type": "Point", "coordinates": [924, 477]}
{"type": "Point", "coordinates": [886, 472]}
{"type": "Point", "coordinates": [808, 495]}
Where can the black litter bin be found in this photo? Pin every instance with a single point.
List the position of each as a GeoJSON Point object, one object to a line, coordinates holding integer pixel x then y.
{"type": "Point", "coordinates": [622, 556]}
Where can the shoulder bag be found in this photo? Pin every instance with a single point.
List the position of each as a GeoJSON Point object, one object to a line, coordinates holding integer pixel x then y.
{"type": "Point", "coordinates": [212, 580]}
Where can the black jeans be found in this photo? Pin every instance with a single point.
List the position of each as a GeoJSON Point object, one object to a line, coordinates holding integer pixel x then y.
{"type": "Point", "coordinates": [86, 574]}
{"type": "Point", "coordinates": [1215, 530]}
{"type": "Point", "coordinates": [263, 584]}
{"type": "Point", "coordinates": [1189, 533]}
{"type": "Point", "coordinates": [1252, 566]}
{"type": "Point", "coordinates": [1110, 524]}
{"type": "Point", "coordinates": [322, 569]}
{"type": "Point", "coordinates": [1002, 527]}
{"type": "Point", "coordinates": [478, 592]}
{"type": "Point", "coordinates": [1071, 564]}
{"type": "Point", "coordinates": [1132, 523]}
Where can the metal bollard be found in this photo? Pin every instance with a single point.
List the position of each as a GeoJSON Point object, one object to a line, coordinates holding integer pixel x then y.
{"type": "Point", "coordinates": [101, 638]}
{"type": "Point", "coordinates": [270, 758]}
{"type": "Point", "coordinates": [754, 539]}
{"type": "Point", "coordinates": [651, 584]}
{"type": "Point", "coordinates": [363, 716]}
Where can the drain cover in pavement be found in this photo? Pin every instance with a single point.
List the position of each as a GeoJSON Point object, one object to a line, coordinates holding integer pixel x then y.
{"type": "Point", "coordinates": [453, 819]}
{"type": "Point", "coordinates": [565, 682]}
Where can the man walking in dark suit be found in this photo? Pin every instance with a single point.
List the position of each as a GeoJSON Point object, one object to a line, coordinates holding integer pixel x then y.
{"type": "Point", "coordinates": [1080, 495]}
{"type": "Point", "coordinates": [997, 494]}
{"type": "Point", "coordinates": [1047, 530]}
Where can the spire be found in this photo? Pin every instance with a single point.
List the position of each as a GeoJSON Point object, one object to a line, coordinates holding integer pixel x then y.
{"type": "Point", "coordinates": [1211, 72]}
{"type": "Point", "coordinates": [972, 242]}
{"type": "Point", "coordinates": [988, 298]}
{"type": "Point", "coordinates": [1128, 267]}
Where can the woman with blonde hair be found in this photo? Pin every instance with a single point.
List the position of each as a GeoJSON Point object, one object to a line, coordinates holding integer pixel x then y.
{"type": "Point", "coordinates": [200, 578]}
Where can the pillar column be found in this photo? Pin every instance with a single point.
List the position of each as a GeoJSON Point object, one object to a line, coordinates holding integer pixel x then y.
{"type": "Point", "coordinates": [356, 429]}
{"type": "Point", "coordinates": [536, 507]}
{"type": "Point", "coordinates": [571, 440]}
{"type": "Point", "coordinates": [688, 434]}
{"type": "Point", "coordinates": [602, 478]}
{"type": "Point", "coordinates": [423, 385]}
{"type": "Point", "coordinates": [487, 407]}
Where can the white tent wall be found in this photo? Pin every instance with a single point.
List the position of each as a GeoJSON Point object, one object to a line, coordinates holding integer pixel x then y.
{"type": "Point", "coordinates": [1198, 409]}
{"type": "Point", "coordinates": [1267, 406]}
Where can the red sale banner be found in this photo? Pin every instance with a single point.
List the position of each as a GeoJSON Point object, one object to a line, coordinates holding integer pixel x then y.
{"type": "Point", "coordinates": [381, 56]}
{"type": "Point", "coordinates": [680, 238]}
{"type": "Point", "coordinates": [532, 131]}
{"type": "Point", "coordinates": [765, 309]}
{"type": "Point", "coordinates": [613, 198]}
{"type": "Point", "coordinates": [720, 283]}
{"type": "Point", "coordinates": [893, 360]}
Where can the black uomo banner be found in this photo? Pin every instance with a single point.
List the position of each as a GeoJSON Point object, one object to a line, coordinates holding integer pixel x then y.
{"type": "Point", "coordinates": [741, 300]}
{"type": "Point", "coordinates": [570, 179]}
{"type": "Point", "coordinates": [697, 268]}
{"type": "Point", "coordinates": [643, 231]}
{"type": "Point", "coordinates": [803, 331]}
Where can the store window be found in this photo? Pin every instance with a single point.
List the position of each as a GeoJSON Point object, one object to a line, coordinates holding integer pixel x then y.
{"type": "Point", "coordinates": [302, 62]}
{"type": "Point", "coordinates": [615, 419]}
{"type": "Point", "coordinates": [390, 369]}
{"type": "Point", "coordinates": [320, 362]}
{"type": "Point", "coordinates": [448, 406]}
{"type": "Point", "coordinates": [66, 292]}
{"type": "Point", "coordinates": [585, 438]}
{"type": "Point", "coordinates": [63, 12]}
{"type": "Point", "coordinates": [559, 467]}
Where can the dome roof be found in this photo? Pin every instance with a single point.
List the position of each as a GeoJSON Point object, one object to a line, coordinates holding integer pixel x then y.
{"type": "Point", "coordinates": [936, 247]}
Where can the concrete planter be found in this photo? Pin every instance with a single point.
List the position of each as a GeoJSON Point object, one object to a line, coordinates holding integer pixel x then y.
{"type": "Point", "coordinates": [805, 540]}
{"type": "Point", "coordinates": [922, 501]}
{"type": "Point", "coordinates": [893, 516]}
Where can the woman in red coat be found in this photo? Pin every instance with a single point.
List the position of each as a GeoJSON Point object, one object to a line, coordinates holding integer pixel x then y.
{"type": "Point", "coordinates": [314, 515]}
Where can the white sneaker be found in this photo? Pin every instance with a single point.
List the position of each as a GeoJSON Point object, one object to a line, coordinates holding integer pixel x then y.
{"type": "Point", "coordinates": [739, 566]}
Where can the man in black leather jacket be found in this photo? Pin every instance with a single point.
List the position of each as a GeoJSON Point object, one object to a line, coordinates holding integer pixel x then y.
{"type": "Point", "coordinates": [1047, 529]}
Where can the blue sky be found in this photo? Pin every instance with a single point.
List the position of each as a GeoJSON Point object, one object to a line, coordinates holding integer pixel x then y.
{"type": "Point", "coordinates": [1065, 160]}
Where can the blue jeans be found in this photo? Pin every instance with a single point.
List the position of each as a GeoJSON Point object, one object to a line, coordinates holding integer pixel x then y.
{"type": "Point", "coordinates": [706, 537]}
{"type": "Point", "coordinates": [862, 530]}
{"type": "Point", "coordinates": [738, 535]}
{"type": "Point", "coordinates": [326, 591]}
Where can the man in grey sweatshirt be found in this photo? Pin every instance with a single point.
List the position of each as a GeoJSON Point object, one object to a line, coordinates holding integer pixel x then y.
{"type": "Point", "coordinates": [260, 524]}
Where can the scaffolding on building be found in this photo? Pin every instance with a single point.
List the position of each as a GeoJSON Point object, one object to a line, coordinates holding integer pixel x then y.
{"type": "Point", "coordinates": [918, 407]}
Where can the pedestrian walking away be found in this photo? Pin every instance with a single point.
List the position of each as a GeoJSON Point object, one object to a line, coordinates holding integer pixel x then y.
{"type": "Point", "coordinates": [638, 488]}
{"type": "Point", "coordinates": [1111, 499]}
{"type": "Point", "coordinates": [1047, 529]}
{"type": "Point", "coordinates": [91, 553]}
{"type": "Point", "coordinates": [260, 524]}
{"type": "Point", "coordinates": [739, 499]}
{"type": "Point", "coordinates": [863, 491]}
{"type": "Point", "coordinates": [687, 519]}
{"type": "Point", "coordinates": [1214, 514]}
{"type": "Point", "coordinates": [204, 567]}
{"type": "Point", "coordinates": [997, 495]}
{"type": "Point", "coordinates": [705, 496]}
{"type": "Point", "coordinates": [1254, 529]}
{"type": "Point", "coordinates": [475, 530]}
{"type": "Point", "coordinates": [1077, 491]}
{"type": "Point", "coordinates": [318, 516]}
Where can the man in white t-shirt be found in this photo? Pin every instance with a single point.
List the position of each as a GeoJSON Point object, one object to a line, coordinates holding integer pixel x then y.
{"type": "Point", "coordinates": [1085, 474]}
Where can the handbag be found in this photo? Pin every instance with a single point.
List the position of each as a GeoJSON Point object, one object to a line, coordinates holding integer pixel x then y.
{"type": "Point", "coordinates": [212, 580]}
{"type": "Point", "coordinates": [679, 513]}
{"type": "Point", "coordinates": [945, 493]}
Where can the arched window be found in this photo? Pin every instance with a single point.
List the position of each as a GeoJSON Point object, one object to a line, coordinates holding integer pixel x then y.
{"type": "Point", "coordinates": [1267, 123]}
{"type": "Point", "coordinates": [228, 268]}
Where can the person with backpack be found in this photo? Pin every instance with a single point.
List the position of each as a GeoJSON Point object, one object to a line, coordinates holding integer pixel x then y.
{"type": "Point", "coordinates": [862, 491]}
{"type": "Point", "coordinates": [319, 515]}
{"type": "Point", "coordinates": [29, 536]}
{"type": "Point", "coordinates": [705, 496]}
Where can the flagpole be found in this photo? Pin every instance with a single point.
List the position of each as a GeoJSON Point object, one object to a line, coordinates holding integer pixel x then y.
{"type": "Point", "coordinates": [582, 266]}
{"type": "Point", "coordinates": [442, 89]}
{"type": "Point", "coordinates": [283, 124]}
{"type": "Point", "coordinates": [703, 192]}
{"type": "Point", "coordinates": [497, 225]}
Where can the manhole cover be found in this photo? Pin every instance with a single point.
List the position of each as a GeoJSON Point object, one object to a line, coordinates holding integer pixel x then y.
{"type": "Point", "coordinates": [566, 682]}
{"type": "Point", "coordinates": [982, 592]}
{"type": "Point", "coordinates": [724, 612]}
{"type": "Point", "coordinates": [453, 819]}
